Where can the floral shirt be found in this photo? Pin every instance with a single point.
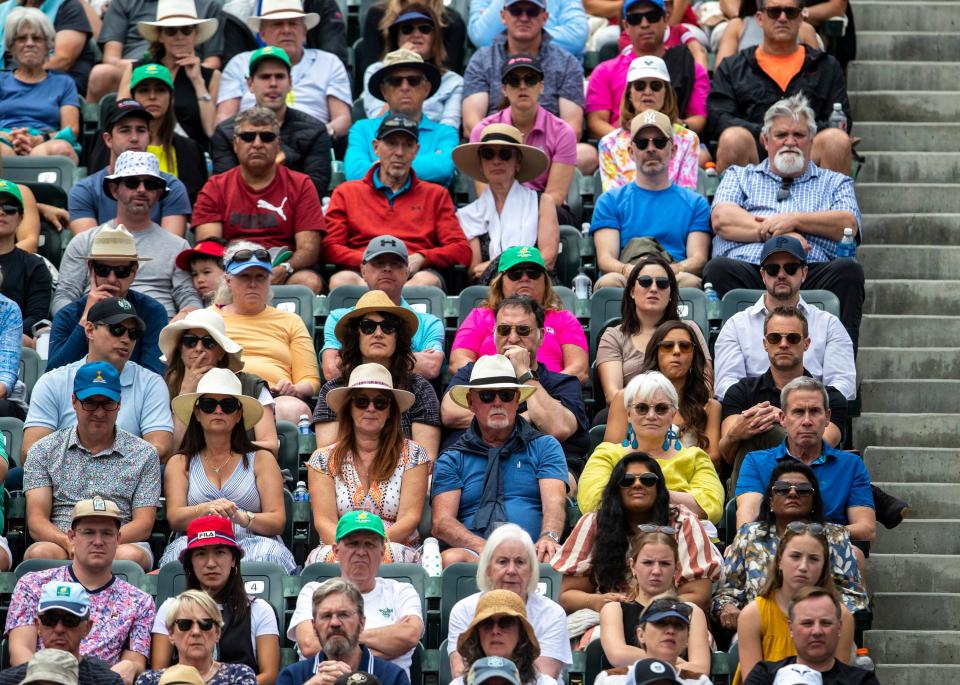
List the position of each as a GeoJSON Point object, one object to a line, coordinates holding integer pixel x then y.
{"type": "Point", "coordinates": [227, 674]}
{"type": "Point", "coordinates": [617, 167]}
{"type": "Point", "coordinates": [121, 614]}
{"type": "Point", "coordinates": [748, 557]}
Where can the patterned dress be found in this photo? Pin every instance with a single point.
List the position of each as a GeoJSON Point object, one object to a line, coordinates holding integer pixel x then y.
{"type": "Point", "coordinates": [227, 674]}
{"type": "Point", "coordinates": [241, 489]}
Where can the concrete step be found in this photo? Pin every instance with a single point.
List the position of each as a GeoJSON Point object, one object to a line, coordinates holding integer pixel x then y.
{"type": "Point", "coordinates": [909, 331]}
{"type": "Point", "coordinates": [893, 362]}
{"type": "Point", "coordinates": [881, 15]}
{"type": "Point", "coordinates": [936, 396]}
{"type": "Point", "coordinates": [909, 647]}
{"type": "Point", "coordinates": [913, 572]}
{"type": "Point", "coordinates": [893, 45]}
{"type": "Point", "coordinates": [907, 136]}
{"type": "Point", "coordinates": [927, 500]}
{"type": "Point", "coordinates": [916, 611]}
{"type": "Point", "coordinates": [913, 465]}
{"type": "Point", "coordinates": [910, 296]}
{"type": "Point", "coordinates": [919, 536]}
{"type": "Point", "coordinates": [908, 197]}
{"type": "Point", "coordinates": [918, 674]}
{"type": "Point", "coordinates": [912, 167]}
{"type": "Point", "coordinates": [912, 262]}
{"type": "Point", "coordinates": [885, 75]}
{"type": "Point", "coordinates": [914, 430]}
{"type": "Point", "coordinates": [916, 229]}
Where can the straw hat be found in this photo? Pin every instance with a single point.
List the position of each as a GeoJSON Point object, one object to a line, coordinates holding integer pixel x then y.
{"type": "Point", "coordinates": [533, 160]}
{"type": "Point", "coordinates": [210, 321]}
{"type": "Point", "coordinates": [377, 301]}
{"type": "Point", "coordinates": [177, 13]}
{"type": "Point", "coordinates": [115, 244]}
{"type": "Point", "coordinates": [490, 372]}
{"type": "Point", "coordinates": [500, 603]}
{"type": "Point", "coordinates": [406, 59]}
{"type": "Point", "coordinates": [283, 9]}
{"type": "Point", "coordinates": [218, 382]}
{"type": "Point", "coordinates": [373, 377]}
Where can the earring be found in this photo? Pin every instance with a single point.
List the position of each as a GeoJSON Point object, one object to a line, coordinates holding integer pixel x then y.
{"type": "Point", "coordinates": [672, 435]}
{"type": "Point", "coordinates": [631, 439]}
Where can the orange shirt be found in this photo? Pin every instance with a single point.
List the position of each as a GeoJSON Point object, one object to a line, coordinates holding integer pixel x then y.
{"type": "Point", "coordinates": [782, 68]}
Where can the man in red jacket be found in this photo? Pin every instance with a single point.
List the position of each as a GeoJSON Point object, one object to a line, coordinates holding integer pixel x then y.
{"type": "Point", "coordinates": [391, 199]}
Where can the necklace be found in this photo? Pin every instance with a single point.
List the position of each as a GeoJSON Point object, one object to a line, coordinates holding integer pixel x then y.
{"type": "Point", "coordinates": [216, 469]}
{"type": "Point", "coordinates": [211, 672]}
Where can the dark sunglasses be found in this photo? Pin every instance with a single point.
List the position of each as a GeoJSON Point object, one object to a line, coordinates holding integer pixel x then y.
{"type": "Point", "coordinates": [647, 480]}
{"type": "Point", "coordinates": [50, 620]}
{"type": "Point", "coordinates": [250, 136]}
{"type": "Point", "coordinates": [505, 395]}
{"type": "Point", "coordinates": [247, 255]}
{"type": "Point", "coordinates": [118, 329]}
{"type": "Point", "coordinates": [514, 81]}
{"type": "Point", "coordinates": [654, 528]}
{"type": "Point", "coordinates": [409, 27]}
{"type": "Point", "coordinates": [10, 209]}
{"type": "Point", "coordinates": [501, 622]}
{"type": "Point", "coordinates": [104, 270]}
{"type": "Point", "coordinates": [670, 345]}
{"type": "Point", "coordinates": [799, 527]}
{"type": "Point", "coordinates": [660, 408]}
{"type": "Point", "coordinates": [190, 340]}
{"type": "Point", "coordinates": [782, 488]}
{"type": "Point", "coordinates": [659, 142]}
{"type": "Point", "coordinates": [532, 273]}
{"type": "Point", "coordinates": [488, 153]}
{"type": "Point", "coordinates": [522, 329]}
{"type": "Point", "coordinates": [784, 192]}
{"type": "Point", "coordinates": [531, 11]}
{"type": "Point", "coordinates": [186, 624]}
{"type": "Point", "coordinates": [171, 31]}
{"type": "Point", "coordinates": [379, 403]}
{"type": "Point", "coordinates": [773, 270]}
{"type": "Point", "coordinates": [369, 326]}
{"type": "Point", "coordinates": [775, 338]}
{"type": "Point", "coordinates": [150, 183]}
{"type": "Point", "coordinates": [94, 405]}
{"type": "Point", "coordinates": [775, 12]}
{"type": "Point", "coordinates": [208, 405]}
{"type": "Point", "coordinates": [652, 17]}
{"type": "Point", "coordinates": [655, 86]}
{"type": "Point", "coordinates": [663, 283]}
{"type": "Point", "coordinates": [396, 81]}
{"type": "Point", "coordinates": [660, 605]}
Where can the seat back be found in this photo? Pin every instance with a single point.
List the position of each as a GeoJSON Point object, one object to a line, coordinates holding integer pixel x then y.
{"type": "Point", "coordinates": [568, 261]}
{"type": "Point", "coordinates": [401, 572]}
{"type": "Point", "coordinates": [596, 661]}
{"type": "Point", "coordinates": [739, 299]}
{"type": "Point", "coordinates": [596, 436]}
{"type": "Point", "coordinates": [446, 674]}
{"type": "Point", "coordinates": [470, 298]}
{"type": "Point", "coordinates": [30, 369]}
{"type": "Point", "coordinates": [55, 169]}
{"type": "Point", "coordinates": [426, 299]}
{"type": "Point", "coordinates": [345, 296]}
{"type": "Point", "coordinates": [566, 296]}
{"type": "Point", "coordinates": [262, 580]}
{"type": "Point", "coordinates": [127, 570]}
{"type": "Point", "coordinates": [237, 37]}
{"type": "Point", "coordinates": [12, 430]}
{"type": "Point", "coordinates": [289, 453]}
{"type": "Point", "coordinates": [693, 307]}
{"type": "Point", "coordinates": [604, 305]}
{"type": "Point", "coordinates": [296, 299]}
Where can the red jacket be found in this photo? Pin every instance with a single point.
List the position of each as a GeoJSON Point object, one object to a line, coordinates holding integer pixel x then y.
{"type": "Point", "coordinates": [422, 216]}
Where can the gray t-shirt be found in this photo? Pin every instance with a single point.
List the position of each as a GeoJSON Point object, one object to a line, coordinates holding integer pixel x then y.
{"type": "Point", "coordinates": [120, 24]}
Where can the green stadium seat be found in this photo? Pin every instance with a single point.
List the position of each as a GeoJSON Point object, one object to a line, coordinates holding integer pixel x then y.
{"type": "Point", "coordinates": [446, 674]}
{"type": "Point", "coordinates": [739, 299]}
{"type": "Point", "coordinates": [574, 201]}
{"type": "Point", "coordinates": [604, 306]}
{"type": "Point", "coordinates": [566, 296]}
{"type": "Point", "coordinates": [337, 174]}
{"type": "Point", "coordinates": [596, 436]}
{"type": "Point", "coordinates": [31, 366]}
{"type": "Point", "coordinates": [720, 666]}
{"type": "Point", "coordinates": [471, 297]}
{"type": "Point", "coordinates": [12, 430]}
{"type": "Point", "coordinates": [262, 579]}
{"type": "Point", "coordinates": [426, 299]}
{"type": "Point", "coordinates": [693, 307]}
{"type": "Point", "coordinates": [127, 570]}
{"type": "Point", "coordinates": [596, 661]}
{"type": "Point", "coordinates": [568, 261]}
{"type": "Point", "coordinates": [289, 453]}
{"type": "Point", "coordinates": [405, 573]}
{"type": "Point", "coordinates": [727, 529]}
{"type": "Point", "coordinates": [358, 110]}
{"type": "Point", "coordinates": [55, 169]}
{"type": "Point", "coordinates": [296, 299]}
{"type": "Point", "coordinates": [345, 296]}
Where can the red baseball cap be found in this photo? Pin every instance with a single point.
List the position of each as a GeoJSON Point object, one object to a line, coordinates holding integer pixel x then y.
{"type": "Point", "coordinates": [206, 531]}
{"type": "Point", "coordinates": [206, 248]}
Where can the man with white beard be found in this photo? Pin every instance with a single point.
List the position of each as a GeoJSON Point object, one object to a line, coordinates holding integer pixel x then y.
{"type": "Point", "coordinates": [787, 195]}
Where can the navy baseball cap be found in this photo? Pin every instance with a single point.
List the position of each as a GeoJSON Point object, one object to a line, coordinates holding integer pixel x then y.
{"type": "Point", "coordinates": [97, 379]}
{"type": "Point", "coordinates": [783, 243]}
{"type": "Point", "coordinates": [397, 123]}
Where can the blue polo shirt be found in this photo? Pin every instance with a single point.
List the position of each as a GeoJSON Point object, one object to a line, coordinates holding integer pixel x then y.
{"type": "Point", "coordinates": [433, 162]}
{"type": "Point", "coordinates": [387, 672]}
{"type": "Point", "coordinates": [843, 478]}
{"type": "Point", "coordinates": [429, 335]}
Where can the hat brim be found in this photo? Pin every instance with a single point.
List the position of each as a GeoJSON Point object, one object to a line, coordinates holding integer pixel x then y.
{"type": "Point", "coordinates": [206, 28]}
{"type": "Point", "coordinates": [407, 317]}
{"type": "Point", "coordinates": [183, 259]}
{"type": "Point", "coordinates": [69, 607]}
{"type": "Point", "coordinates": [458, 393]}
{"type": "Point", "coordinates": [533, 160]}
{"type": "Point", "coordinates": [171, 334]}
{"type": "Point", "coordinates": [183, 405]}
{"type": "Point", "coordinates": [310, 19]}
{"type": "Point", "coordinates": [121, 317]}
{"type": "Point", "coordinates": [480, 617]}
{"type": "Point", "coordinates": [209, 542]}
{"type": "Point", "coordinates": [431, 72]}
{"type": "Point", "coordinates": [337, 397]}
{"type": "Point", "coordinates": [87, 393]}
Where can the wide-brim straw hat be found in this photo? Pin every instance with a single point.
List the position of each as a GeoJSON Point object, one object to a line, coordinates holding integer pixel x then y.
{"type": "Point", "coordinates": [533, 160]}
{"type": "Point", "coordinates": [283, 9]}
{"type": "Point", "coordinates": [377, 301]}
{"type": "Point", "coordinates": [369, 377]}
{"type": "Point", "coordinates": [490, 372]}
{"type": "Point", "coordinates": [403, 59]}
{"type": "Point", "coordinates": [178, 13]}
{"type": "Point", "coordinates": [218, 382]}
{"type": "Point", "coordinates": [210, 321]}
{"type": "Point", "coordinates": [500, 603]}
{"type": "Point", "coordinates": [114, 244]}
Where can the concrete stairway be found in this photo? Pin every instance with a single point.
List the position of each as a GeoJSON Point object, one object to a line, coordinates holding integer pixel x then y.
{"type": "Point", "coordinates": [906, 102]}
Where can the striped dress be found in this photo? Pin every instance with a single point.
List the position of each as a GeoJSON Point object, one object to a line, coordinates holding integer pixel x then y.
{"type": "Point", "coordinates": [241, 489]}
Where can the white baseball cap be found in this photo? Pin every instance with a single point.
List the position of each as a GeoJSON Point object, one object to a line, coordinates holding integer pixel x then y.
{"type": "Point", "coordinates": [648, 66]}
{"type": "Point", "coordinates": [795, 674]}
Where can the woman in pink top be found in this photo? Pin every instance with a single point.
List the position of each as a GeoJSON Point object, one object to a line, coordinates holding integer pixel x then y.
{"type": "Point", "coordinates": [522, 272]}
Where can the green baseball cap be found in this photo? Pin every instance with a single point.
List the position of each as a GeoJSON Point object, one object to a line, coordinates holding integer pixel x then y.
{"type": "Point", "coordinates": [151, 71]}
{"type": "Point", "coordinates": [356, 520]}
{"type": "Point", "coordinates": [520, 254]}
{"type": "Point", "coordinates": [269, 52]}
{"type": "Point", "coordinates": [10, 188]}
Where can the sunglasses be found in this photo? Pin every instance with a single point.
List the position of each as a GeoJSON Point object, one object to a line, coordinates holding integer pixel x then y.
{"type": "Point", "coordinates": [530, 80]}
{"type": "Point", "coordinates": [10, 209]}
{"type": "Point", "coordinates": [815, 529]}
{"type": "Point", "coordinates": [250, 136]}
{"type": "Point", "coordinates": [660, 605]}
{"type": "Point", "coordinates": [380, 402]}
{"type": "Point", "coordinates": [531, 11]}
{"type": "Point", "coordinates": [94, 405]}
{"type": "Point", "coordinates": [775, 12]}
{"type": "Point", "coordinates": [671, 345]}
{"type": "Point", "coordinates": [369, 326]}
{"type": "Point", "coordinates": [663, 283]}
{"type": "Point", "coordinates": [118, 329]}
{"type": "Point", "coordinates": [247, 255]}
{"type": "Point", "coordinates": [186, 624]}
{"type": "Point", "coordinates": [522, 329]}
{"type": "Point", "coordinates": [659, 142]}
{"type": "Point", "coordinates": [397, 81]}
{"type": "Point", "coordinates": [104, 270]}
{"type": "Point", "coordinates": [655, 86]}
{"type": "Point", "coordinates": [505, 395]}
{"type": "Point", "coordinates": [784, 192]}
{"type": "Point", "coordinates": [660, 408]}
{"type": "Point", "coordinates": [190, 340]}
{"type": "Point", "coordinates": [647, 480]}
{"type": "Point", "coordinates": [775, 338]}
{"type": "Point", "coordinates": [408, 28]}
{"type": "Point", "coordinates": [501, 622]}
{"type": "Point", "coordinates": [208, 405]}
{"type": "Point", "coordinates": [518, 273]}
{"type": "Point", "coordinates": [50, 620]}
{"type": "Point", "coordinates": [782, 488]}
{"type": "Point", "coordinates": [171, 31]}
{"type": "Point", "coordinates": [488, 153]}
{"type": "Point", "coordinates": [773, 270]}
{"type": "Point", "coordinates": [654, 528]}
{"type": "Point", "coordinates": [150, 183]}
{"type": "Point", "coordinates": [652, 17]}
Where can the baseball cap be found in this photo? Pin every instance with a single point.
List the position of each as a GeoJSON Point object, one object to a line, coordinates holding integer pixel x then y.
{"type": "Point", "coordinates": [114, 310]}
{"type": "Point", "coordinates": [492, 667]}
{"type": "Point", "coordinates": [521, 61]}
{"type": "Point", "coordinates": [783, 243]}
{"type": "Point", "coordinates": [649, 671]}
{"type": "Point", "coordinates": [146, 72]}
{"type": "Point", "coordinates": [357, 678]}
{"type": "Point", "coordinates": [629, 5]}
{"type": "Point", "coordinates": [96, 506]}
{"type": "Point", "coordinates": [386, 244]}
{"type": "Point", "coordinates": [69, 597]}
{"type": "Point", "coordinates": [648, 66]}
{"type": "Point", "coordinates": [128, 107]}
{"type": "Point", "coordinates": [539, 3]}
{"type": "Point", "coordinates": [269, 52]}
{"type": "Point", "coordinates": [795, 674]}
{"type": "Point", "coordinates": [52, 666]}
{"type": "Point", "coordinates": [10, 188]}
{"type": "Point", "coordinates": [205, 248]}
{"type": "Point", "coordinates": [520, 254]}
{"type": "Point", "coordinates": [356, 520]}
{"type": "Point", "coordinates": [397, 123]}
{"type": "Point", "coordinates": [97, 378]}
{"type": "Point", "coordinates": [651, 118]}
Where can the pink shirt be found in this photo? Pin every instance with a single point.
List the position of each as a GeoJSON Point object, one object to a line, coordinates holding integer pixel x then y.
{"type": "Point", "coordinates": [609, 79]}
{"type": "Point", "coordinates": [562, 328]}
{"type": "Point", "coordinates": [550, 133]}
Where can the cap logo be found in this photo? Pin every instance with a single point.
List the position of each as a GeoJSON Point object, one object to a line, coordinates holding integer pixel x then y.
{"type": "Point", "coordinates": [98, 379]}
{"type": "Point", "coordinates": [389, 242]}
{"type": "Point", "coordinates": [650, 117]}
{"type": "Point", "coordinates": [205, 534]}
{"type": "Point", "coordinates": [657, 667]}
{"type": "Point", "coordinates": [63, 591]}
{"type": "Point", "coordinates": [363, 516]}
{"type": "Point", "coordinates": [123, 304]}
{"type": "Point", "coordinates": [495, 661]}
{"type": "Point", "coordinates": [98, 503]}
{"type": "Point", "coordinates": [356, 678]}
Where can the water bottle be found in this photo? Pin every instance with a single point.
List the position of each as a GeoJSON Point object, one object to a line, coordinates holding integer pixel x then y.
{"type": "Point", "coordinates": [430, 558]}
{"type": "Point", "coordinates": [585, 229]}
{"type": "Point", "coordinates": [300, 493]}
{"type": "Point", "coordinates": [863, 659]}
{"type": "Point", "coordinates": [714, 312]}
{"type": "Point", "coordinates": [710, 169]}
{"type": "Point", "coordinates": [582, 286]}
{"type": "Point", "coordinates": [837, 118]}
{"type": "Point", "coordinates": [847, 249]}
{"type": "Point", "coordinates": [303, 425]}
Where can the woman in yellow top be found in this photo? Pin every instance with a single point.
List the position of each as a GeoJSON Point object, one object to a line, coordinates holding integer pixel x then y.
{"type": "Point", "coordinates": [763, 631]}
{"type": "Point", "coordinates": [652, 402]}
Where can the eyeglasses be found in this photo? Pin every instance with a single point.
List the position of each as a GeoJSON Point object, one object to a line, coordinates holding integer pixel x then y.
{"type": "Point", "coordinates": [186, 624]}
{"type": "Point", "coordinates": [118, 329]}
{"type": "Point", "coordinates": [775, 12]}
{"type": "Point", "coordinates": [671, 345]}
{"type": "Point", "coordinates": [396, 81]}
{"type": "Point", "coordinates": [514, 81]}
{"type": "Point", "coordinates": [250, 136]}
{"type": "Point", "coordinates": [659, 142]}
{"type": "Point", "coordinates": [505, 395]}
{"type": "Point", "coordinates": [655, 85]}
{"type": "Point", "coordinates": [190, 340]}
{"type": "Point", "coordinates": [50, 620]}
{"type": "Point", "coordinates": [104, 270]}
{"type": "Point", "coordinates": [654, 528]}
{"type": "Point", "coordinates": [799, 527]}
{"type": "Point", "coordinates": [660, 605]}
{"type": "Point", "coordinates": [407, 28]}
{"type": "Point", "coordinates": [773, 270]}
{"type": "Point", "coordinates": [369, 326]}
{"type": "Point", "coordinates": [208, 405]}
{"type": "Point", "coordinates": [488, 153]}
{"type": "Point", "coordinates": [247, 255]}
{"type": "Point", "coordinates": [500, 622]}
{"type": "Point", "coordinates": [10, 209]}
{"type": "Point", "coordinates": [150, 183]}
{"type": "Point", "coordinates": [647, 480]}
{"type": "Point", "coordinates": [522, 329]}
{"type": "Point", "coordinates": [652, 17]}
{"type": "Point", "coordinates": [342, 616]}
{"type": "Point", "coordinates": [94, 405]}
{"type": "Point", "coordinates": [171, 31]}
{"type": "Point", "coordinates": [782, 488]}
{"type": "Point", "coordinates": [784, 192]}
{"type": "Point", "coordinates": [380, 402]}
{"type": "Point", "coordinates": [775, 338]}
{"type": "Point", "coordinates": [532, 273]}
{"type": "Point", "coordinates": [531, 11]}
{"type": "Point", "coordinates": [663, 283]}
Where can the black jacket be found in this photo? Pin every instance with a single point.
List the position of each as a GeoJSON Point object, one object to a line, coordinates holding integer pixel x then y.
{"type": "Point", "coordinates": [303, 140]}
{"type": "Point", "coordinates": [742, 92]}
{"type": "Point", "coordinates": [331, 33]}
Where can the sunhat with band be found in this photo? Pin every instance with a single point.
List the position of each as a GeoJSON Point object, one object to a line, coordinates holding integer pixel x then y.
{"type": "Point", "coordinates": [218, 382]}
{"type": "Point", "coordinates": [177, 13]}
{"type": "Point", "coordinates": [369, 377]}
{"type": "Point", "coordinates": [52, 666]}
{"type": "Point", "coordinates": [500, 603]}
{"type": "Point", "coordinates": [210, 321]}
{"type": "Point", "coordinates": [283, 9]}
{"type": "Point", "coordinates": [114, 244]}
{"type": "Point", "coordinates": [490, 372]}
{"type": "Point", "coordinates": [207, 531]}
{"type": "Point", "coordinates": [403, 59]}
{"type": "Point", "coordinates": [533, 160]}
{"type": "Point", "coordinates": [377, 301]}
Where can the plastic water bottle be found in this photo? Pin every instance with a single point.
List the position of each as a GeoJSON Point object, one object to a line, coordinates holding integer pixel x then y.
{"type": "Point", "coordinates": [847, 249]}
{"type": "Point", "coordinates": [582, 286]}
{"type": "Point", "coordinates": [863, 659]}
{"type": "Point", "coordinates": [710, 169]}
{"type": "Point", "coordinates": [300, 493]}
{"type": "Point", "coordinates": [303, 425]}
{"type": "Point", "coordinates": [714, 312]}
{"type": "Point", "coordinates": [837, 118]}
{"type": "Point", "coordinates": [430, 558]}
{"type": "Point", "coordinates": [585, 229]}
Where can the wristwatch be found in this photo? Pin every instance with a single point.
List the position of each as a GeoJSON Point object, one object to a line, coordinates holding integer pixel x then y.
{"type": "Point", "coordinates": [550, 534]}
{"type": "Point", "coordinates": [530, 375]}
{"type": "Point", "coordinates": [251, 516]}
{"type": "Point", "coordinates": [287, 268]}
{"type": "Point", "coordinates": [205, 98]}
